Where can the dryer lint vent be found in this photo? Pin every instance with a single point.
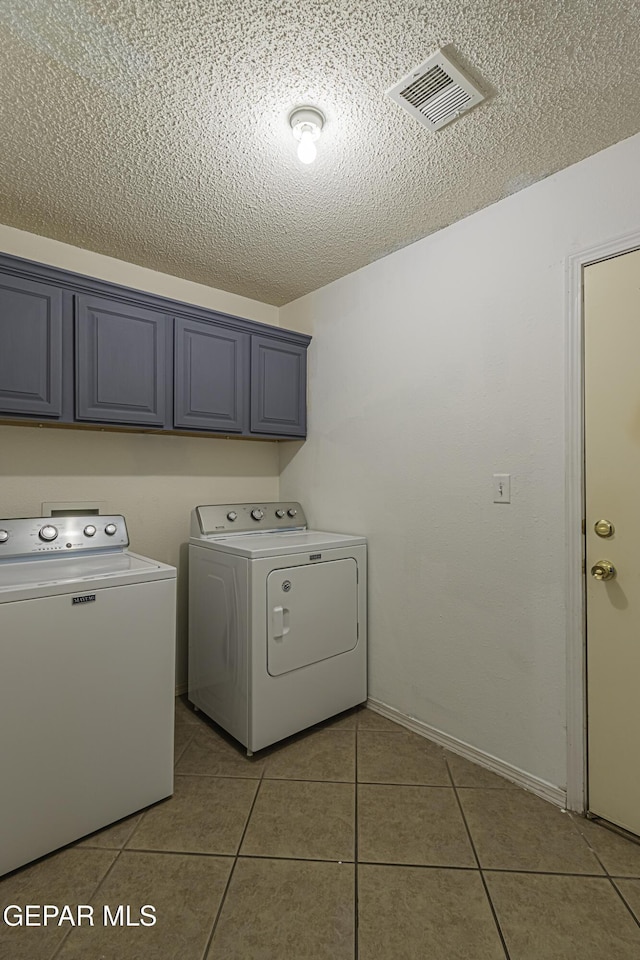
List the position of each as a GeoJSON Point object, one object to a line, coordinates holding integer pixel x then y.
{"type": "Point", "coordinates": [436, 92]}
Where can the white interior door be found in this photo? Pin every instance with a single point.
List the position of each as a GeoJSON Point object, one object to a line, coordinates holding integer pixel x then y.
{"type": "Point", "coordinates": [612, 489]}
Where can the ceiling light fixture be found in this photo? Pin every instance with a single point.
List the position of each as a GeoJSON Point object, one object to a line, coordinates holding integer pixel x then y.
{"type": "Point", "coordinates": [307, 124]}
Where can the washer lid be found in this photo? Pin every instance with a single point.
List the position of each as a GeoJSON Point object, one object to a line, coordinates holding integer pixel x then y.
{"type": "Point", "coordinates": [258, 545]}
{"type": "Point", "coordinates": [49, 575]}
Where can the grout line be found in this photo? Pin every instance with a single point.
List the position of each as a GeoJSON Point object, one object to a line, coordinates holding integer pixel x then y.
{"type": "Point", "coordinates": [585, 839]}
{"type": "Point", "coordinates": [215, 776]}
{"type": "Point", "coordinates": [179, 853]}
{"type": "Point", "coordinates": [545, 873]}
{"type": "Point", "coordinates": [477, 858]}
{"type": "Point", "coordinates": [622, 897]}
{"type": "Point", "coordinates": [416, 866]}
{"type": "Point", "coordinates": [305, 780]}
{"type": "Point", "coordinates": [94, 894]}
{"type": "Point", "coordinates": [301, 859]}
{"type": "Point", "coordinates": [223, 898]}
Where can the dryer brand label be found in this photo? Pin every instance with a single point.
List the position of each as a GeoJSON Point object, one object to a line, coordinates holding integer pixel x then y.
{"type": "Point", "coordinates": [87, 598]}
{"type": "Point", "coordinates": [315, 556]}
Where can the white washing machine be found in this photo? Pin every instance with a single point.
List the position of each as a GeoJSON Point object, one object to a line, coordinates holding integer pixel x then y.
{"type": "Point", "coordinates": [87, 648]}
{"type": "Point", "coordinates": [277, 620]}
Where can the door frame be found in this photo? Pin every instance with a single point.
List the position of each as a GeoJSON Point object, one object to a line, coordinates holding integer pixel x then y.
{"type": "Point", "coordinates": [575, 588]}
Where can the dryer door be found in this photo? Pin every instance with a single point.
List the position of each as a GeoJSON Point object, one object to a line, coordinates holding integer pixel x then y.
{"type": "Point", "coordinates": [312, 613]}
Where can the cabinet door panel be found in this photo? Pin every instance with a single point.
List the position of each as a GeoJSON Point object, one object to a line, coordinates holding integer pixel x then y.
{"type": "Point", "coordinates": [121, 366]}
{"type": "Point", "coordinates": [30, 347]}
{"type": "Point", "coordinates": [211, 377]}
{"type": "Point", "coordinates": [278, 387]}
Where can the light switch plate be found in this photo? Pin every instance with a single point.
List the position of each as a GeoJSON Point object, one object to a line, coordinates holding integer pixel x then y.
{"type": "Point", "coordinates": [502, 488]}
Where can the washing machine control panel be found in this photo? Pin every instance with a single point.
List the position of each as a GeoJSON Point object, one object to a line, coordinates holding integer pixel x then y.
{"type": "Point", "coordinates": [220, 518]}
{"type": "Point", "coordinates": [38, 536]}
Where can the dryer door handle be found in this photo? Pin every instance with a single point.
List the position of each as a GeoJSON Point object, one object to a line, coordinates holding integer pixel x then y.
{"type": "Point", "coordinates": [280, 622]}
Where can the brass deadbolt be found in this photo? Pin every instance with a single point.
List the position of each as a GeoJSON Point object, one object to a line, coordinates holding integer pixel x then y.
{"type": "Point", "coordinates": [603, 570]}
{"type": "Point", "coordinates": [604, 528]}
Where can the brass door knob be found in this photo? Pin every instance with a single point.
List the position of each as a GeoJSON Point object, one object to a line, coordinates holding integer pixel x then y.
{"type": "Point", "coordinates": [603, 570]}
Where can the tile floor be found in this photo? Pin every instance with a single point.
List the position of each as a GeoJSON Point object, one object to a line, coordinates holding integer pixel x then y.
{"type": "Point", "coordinates": [357, 839]}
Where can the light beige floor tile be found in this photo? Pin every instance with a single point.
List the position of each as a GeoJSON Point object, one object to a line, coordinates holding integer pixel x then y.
{"type": "Point", "coordinates": [546, 917]}
{"type": "Point", "coordinates": [514, 830]}
{"type": "Point", "coordinates": [113, 837]}
{"type": "Point", "coordinates": [467, 774]}
{"type": "Point", "coordinates": [210, 754]}
{"type": "Point", "coordinates": [343, 721]}
{"type": "Point", "coordinates": [186, 892]}
{"type": "Point", "coordinates": [413, 913]}
{"type": "Point", "coordinates": [69, 877]}
{"type": "Point", "coordinates": [400, 758]}
{"type": "Point", "coordinates": [287, 910]}
{"type": "Point", "coordinates": [370, 720]}
{"type": "Point", "coordinates": [322, 754]}
{"type": "Point", "coordinates": [204, 815]}
{"type": "Point", "coordinates": [183, 735]}
{"type": "Point", "coordinates": [630, 890]}
{"type": "Point", "coordinates": [620, 856]}
{"type": "Point", "coordinates": [413, 825]}
{"type": "Point", "coordinates": [302, 819]}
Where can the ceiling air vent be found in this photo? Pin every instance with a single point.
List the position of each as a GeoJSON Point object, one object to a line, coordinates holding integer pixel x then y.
{"type": "Point", "coordinates": [436, 92]}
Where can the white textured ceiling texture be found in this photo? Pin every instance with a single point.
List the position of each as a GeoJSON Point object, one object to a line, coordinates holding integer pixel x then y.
{"type": "Point", "coordinates": [156, 131]}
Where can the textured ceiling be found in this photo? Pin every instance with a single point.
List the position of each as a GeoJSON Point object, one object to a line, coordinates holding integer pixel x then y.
{"type": "Point", "coordinates": [156, 131]}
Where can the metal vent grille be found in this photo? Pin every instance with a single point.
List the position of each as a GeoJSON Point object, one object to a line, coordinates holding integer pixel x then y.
{"type": "Point", "coordinates": [436, 92]}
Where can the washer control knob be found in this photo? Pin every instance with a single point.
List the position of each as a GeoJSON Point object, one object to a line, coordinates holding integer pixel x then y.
{"type": "Point", "coordinates": [232, 515]}
{"type": "Point", "coordinates": [279, 514]}
{"type": "Point", "coordinates": [292, 511]}
{"type": "Point", "coordinates": [48, 532]}
{"type": "Point", "coordinates": [4, 536]}
{"type": "Point", "coordinates": [110, 529]}
{"type": "Point", "coordinates": [90, 530]}
{"type": "Point", "coordinates": [257, 514]}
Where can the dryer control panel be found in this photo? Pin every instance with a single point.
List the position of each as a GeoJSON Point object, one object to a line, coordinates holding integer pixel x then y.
{"type": "Point", "coordinates": [229, 518]}
{"type": "Point", "coordinates": [36, 536]}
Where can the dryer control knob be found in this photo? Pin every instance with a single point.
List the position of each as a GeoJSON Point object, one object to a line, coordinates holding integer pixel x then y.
{"type": "Point", "coordinates": [232, 515]}
{"type": "Point", "coordinates": [110, 529]}
{"type": "Point", "coordinates": [48, 532]}
{"type": "Point", "coordinates": [279, 514]}
{"type": "Point", "coordinates": [257, 514]}
{"type": "Point", "coordinates": [4, 536]}
{"type": "Point", "coordinates": [90, 530]}
{"type": "Point", "coordinates": [292, 512]}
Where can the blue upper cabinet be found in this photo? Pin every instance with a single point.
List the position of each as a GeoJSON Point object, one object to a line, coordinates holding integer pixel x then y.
{"type": "Point", "coordinates": [30, 348]}
{"type": "Point", "coordinates": [278, 387]}
{"type": "Point", "coordinates": [121, 363]}
{"type": "Point", "coordinates": [78, 349]}
{"type": "Point", "coordinates": [211, 381]}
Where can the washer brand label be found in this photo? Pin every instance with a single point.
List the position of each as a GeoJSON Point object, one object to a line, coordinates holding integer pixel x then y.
{"type": "Point", "coordinates": [87, 598]}
{"type": "Point", "coordinates": [315, 556]}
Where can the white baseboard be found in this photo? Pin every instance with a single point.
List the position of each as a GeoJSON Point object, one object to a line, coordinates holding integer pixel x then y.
{"type": "Point", "coordinates": [541, 788]}
{"type": "Point", "coordinates": [181, 688]}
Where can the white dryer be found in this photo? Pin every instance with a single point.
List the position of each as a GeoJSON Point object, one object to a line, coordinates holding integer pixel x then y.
{"type": "Point", "coordinates": [87, 648]}
{"type": "Point", "coordinates": [277, 620]}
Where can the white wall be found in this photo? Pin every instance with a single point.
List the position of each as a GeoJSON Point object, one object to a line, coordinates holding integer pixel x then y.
{"type": "Point", "coordinates": [430, 370]}
{"type": "Point", "coordinates": [153, 480]}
